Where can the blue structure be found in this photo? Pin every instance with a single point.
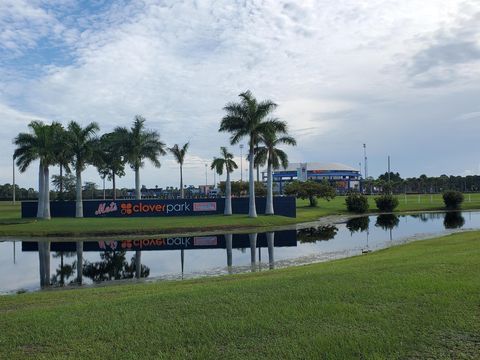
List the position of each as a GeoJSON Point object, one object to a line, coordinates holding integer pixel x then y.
{"type": "Point", "coordinates": [343, 177]}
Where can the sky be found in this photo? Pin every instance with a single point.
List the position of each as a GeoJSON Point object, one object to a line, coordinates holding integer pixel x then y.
{"type": "Point", "coordinates": [402, 77]}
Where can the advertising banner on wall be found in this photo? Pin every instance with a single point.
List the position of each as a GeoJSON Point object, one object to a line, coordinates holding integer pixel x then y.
{"type": "Point", "coordinates": [284, 206]}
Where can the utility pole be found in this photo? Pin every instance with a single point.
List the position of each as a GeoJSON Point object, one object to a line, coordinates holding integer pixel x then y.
{"type": "Point", "coordinates": [388, 168]}
{"type": "Point", "coordinates": [241, 162]}
{"type": "Point", "coordinates": [206, 179]}
{"type": "Point", "coordinates": [13, 172]}
{"type": "Point", "coordinates": [365, 163]}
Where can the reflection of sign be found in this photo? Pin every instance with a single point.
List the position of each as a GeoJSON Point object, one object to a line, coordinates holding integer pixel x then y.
{"type": "Point", "coordinates": [205, 241]}
{"type": "Point", "coordinates": [205, 206]}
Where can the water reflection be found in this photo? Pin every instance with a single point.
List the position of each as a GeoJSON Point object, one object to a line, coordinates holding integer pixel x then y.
{"type": "Point", "coordinates": [319, 233]}
{"type": "Point", "coordinates": [101, 260]}
{"type": "Point", "coordinates": [453, 220]}
{"type": "Point", "coordinates": [358, 224]}
{"type": "Point", "coordinates": [387, 221]}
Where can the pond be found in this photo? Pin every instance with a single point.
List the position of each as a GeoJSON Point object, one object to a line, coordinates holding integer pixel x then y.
{"type": "Point", "coordinates": [32, 265]}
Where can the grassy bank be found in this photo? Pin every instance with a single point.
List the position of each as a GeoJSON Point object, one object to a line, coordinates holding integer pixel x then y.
{"type": "Point", "coordinates": [418, 301]}
{"type": "Point", "coordinates": [11, 224]}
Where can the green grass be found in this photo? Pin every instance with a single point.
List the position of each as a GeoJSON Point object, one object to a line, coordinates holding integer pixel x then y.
{"type": "Point", "coordinates": [12, 225]}
{"type": "Point", "coordinates": [415, 301]}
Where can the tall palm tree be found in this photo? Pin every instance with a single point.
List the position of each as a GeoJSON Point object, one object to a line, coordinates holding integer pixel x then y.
{"type": "Point", "coordinates": [64, 157]}
{"type": "Point", "coordinates": [109, 159]}
{"type": "Point", "coordinates": [226, 161]}
{"type": "Point", "coordinates": [81, 142]}
{"type": "Point", "coordinates": [140, 144]}
{"type": "Point", "coordinates": [40, 144]}
{"type": "Point", "coordinates": [179, 154]}
{"type": "Point", "coordinates": [274, 157]}
{"type": "Point", "coordinates": [250, 118]}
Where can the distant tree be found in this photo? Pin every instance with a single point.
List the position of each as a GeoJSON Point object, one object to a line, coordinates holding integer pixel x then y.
{"type": "Point", "coordinates": [310, 190]}
{"type": "Point", "coordinates": [65, 185]}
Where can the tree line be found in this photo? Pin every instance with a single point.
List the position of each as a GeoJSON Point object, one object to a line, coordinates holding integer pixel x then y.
{"type": "Point", "coordinates": [74, 147]}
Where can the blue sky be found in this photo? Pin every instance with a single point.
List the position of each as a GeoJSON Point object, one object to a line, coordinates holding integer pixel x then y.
{"type": "Point", "coordinates": [402, 77]}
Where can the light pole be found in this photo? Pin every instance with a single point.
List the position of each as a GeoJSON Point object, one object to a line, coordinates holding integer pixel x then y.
{"type": "Point", "coordinates": [13, 172]}
{"type": "Point", "coordinates": [241, 162]}
{"type": "Point", "coordinates": [206, 179]}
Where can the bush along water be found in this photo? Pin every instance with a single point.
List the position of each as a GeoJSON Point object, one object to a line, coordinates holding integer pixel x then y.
{"type": "Point", "coordinates": [386, 202]}
{"type": "Point", "coordinates": [452, 199]}
{"type": "Point", "coordinates": [356, 202]}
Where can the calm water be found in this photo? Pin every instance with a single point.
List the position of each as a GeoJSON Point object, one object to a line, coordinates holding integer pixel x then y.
{"type": "Point", "coordinates": [27, 265]}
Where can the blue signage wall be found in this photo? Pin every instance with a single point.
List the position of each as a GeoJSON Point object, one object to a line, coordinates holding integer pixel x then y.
{"type": "Point", "coordinates": [284, 206]}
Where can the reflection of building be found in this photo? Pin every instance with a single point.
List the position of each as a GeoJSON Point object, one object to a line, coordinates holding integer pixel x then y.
{"type": "Point", "coordinates": [343, 177]}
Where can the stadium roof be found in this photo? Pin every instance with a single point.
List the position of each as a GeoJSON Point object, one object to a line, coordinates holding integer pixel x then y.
{"type": "Point", "coordinates": [319, 166]}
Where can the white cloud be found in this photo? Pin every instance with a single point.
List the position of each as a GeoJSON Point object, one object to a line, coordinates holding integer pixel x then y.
{"type": "Point", "coordinates": [340, 71]}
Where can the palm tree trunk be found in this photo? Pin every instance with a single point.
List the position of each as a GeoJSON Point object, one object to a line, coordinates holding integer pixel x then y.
{"type": "Point", "coordinates": [181, 181]}
{"type": "Point", "coordinates": [79, 261]}
{"type": "Point", "coordinates": [79, 202]}
{"type": "Point", "coordinates": [228, 196]}
{"type": "Point", "coordinates": [138, 193]}
{"type": "Point", "coordinates": [270, 244]}
{"type": "Point", "coordinates": [252, 211]}
{"type": "Point", "coordinates": [114, 187]}
{"type": "Point", "coordinates": [269, 208]}
{"type": "Point", "coordinates": [41, 190]}
{"type": "Point", "coordinates": [229, 246]}
{"type": "Point", "coordinates": [46, 194]}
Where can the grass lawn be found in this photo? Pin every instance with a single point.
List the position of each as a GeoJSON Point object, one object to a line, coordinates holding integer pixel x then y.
{"type": "Point", "coordinates": [415, 301]}
{"type": "Point", "coordinates": [11, 224]}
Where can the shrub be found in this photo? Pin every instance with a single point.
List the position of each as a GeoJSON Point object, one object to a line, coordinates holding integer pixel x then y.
{"type": "Point", "coordinates": [452, 199]}
{"type": "Point", "coordinates": [356, 202]}
{"type": "Point", "coordinates": [386, 202]}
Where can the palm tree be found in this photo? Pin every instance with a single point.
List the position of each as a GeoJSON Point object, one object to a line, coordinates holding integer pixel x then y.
{"type": "Point", "coordinates": [64, 157]}
{"type": "Point", "coordinates": [140, 144]}
{"type": "Point", "coordinates": [109, 158]}
{"type": "Point", "coordinates": [82, 146]}
{"type": "Point", "coordinates": [179, 154]}
{"type": "Point", "coordinates": [226, 161]}
{"type": "Point", "coordinates": [274, 157]}
{"type": "Point", "coordinates": [249, 118]}
{"type": "Point", "coordinates": [41, 144]}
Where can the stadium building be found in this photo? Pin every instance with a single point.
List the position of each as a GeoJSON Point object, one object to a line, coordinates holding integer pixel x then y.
{"type": "Point", "coordinates": [343, 177]}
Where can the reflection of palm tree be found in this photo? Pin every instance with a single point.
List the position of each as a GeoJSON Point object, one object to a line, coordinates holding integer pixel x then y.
{"type": "Point", "coordinates": [248, 118]}
{"type": "Point", "coordinates": [253, 248]}
{"type": "Point", "coordinates": [226, 161]}
{"type": "Point", "coordinates": [113, 266]}
{"type": "Point", "coordinates": [65, 271]}
{"type": "Point", "coordinates": [270, 244]}
{"type": "Point", "coordinates": [274, 157]}
{"type": "Point", "coordinates": [44, 262]}
{"type": "Point", "coordinates": [79, 245]}
{"type": "Point", "coordinates": [179, 155]}
{"type": "Point", "coordinates": [229, 246]}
